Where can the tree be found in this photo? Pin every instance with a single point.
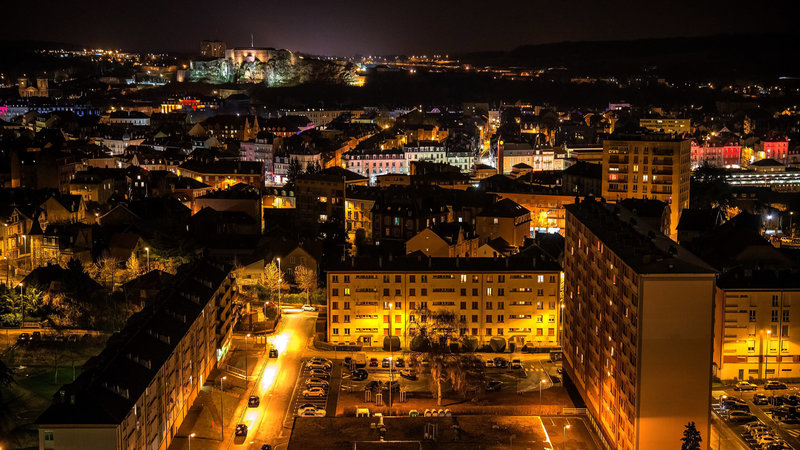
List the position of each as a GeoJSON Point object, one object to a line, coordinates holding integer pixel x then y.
{"type": "Point", "coordinates": [306, 278]}
{"type": "Point", "coordinates": [271, 279]}
{"type": "Point", "coordinates": [691, 437]}
{"type": "Point", "coordinates": [436, 336]}
{"type": "Point", "coordinates": [294, 170]}
{"type": "Point", "coordinates": [133, 267]}
{"type": "Point", "coordinates": [105, 271]}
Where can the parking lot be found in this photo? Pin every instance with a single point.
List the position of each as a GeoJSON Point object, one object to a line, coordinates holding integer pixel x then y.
{"type": "Point", "coordinates": [783, 427]}
{"type": "Point", "coordinates": [326, 402]}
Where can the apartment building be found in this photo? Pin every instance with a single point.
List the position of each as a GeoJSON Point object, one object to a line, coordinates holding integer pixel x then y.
{"type": "Point", "coordinates": [667, 125]}
{"type": "Point", "coordinates": [755, 337]}
{"type": "Point", "coordinates": [651, 165]}
{"type": "Point", "coordinates": [637, 322]}
{"type": "Point", "coordinates": [137, 392]}
{"type": "Point", "coordinates": [517, 298]}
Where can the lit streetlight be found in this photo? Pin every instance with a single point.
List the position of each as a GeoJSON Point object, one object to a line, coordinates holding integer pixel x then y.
{"type": "Point", "coordinates": [190, 441]}
{"type": "Point", "coordinates": [221, 414]}
{"type": "Point", "coordinates": [541, 382]}
{"type": "Point", "coordinates": [566, 427]}
{"type": "Point", "coordinates": [147, 250]}
{"type": "Point", "coordinates": [245, 356]}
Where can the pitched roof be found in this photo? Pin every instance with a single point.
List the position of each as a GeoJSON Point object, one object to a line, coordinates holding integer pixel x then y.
{"type": "Point", "coordinates": [504, 208]}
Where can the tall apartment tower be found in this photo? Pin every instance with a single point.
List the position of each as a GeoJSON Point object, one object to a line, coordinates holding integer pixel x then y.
{"type": "Point", "coordinates": [212, 49]}
{"type": "Point", "coordinates": [637, 322]}
{"type": "Point", "coordinates": [649, 165]}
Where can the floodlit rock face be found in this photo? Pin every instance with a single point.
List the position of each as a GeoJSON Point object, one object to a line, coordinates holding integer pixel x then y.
{"type": "Point", "coordinates": [280, 68]}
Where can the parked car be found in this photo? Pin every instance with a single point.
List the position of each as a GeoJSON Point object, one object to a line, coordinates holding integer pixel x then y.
{"type": "Point", "coordinates": [253, 401]}
{"type": "Point", "coordinates": [793, 399]}
{"type": "Point", "coordinates": [36, 336]}
{"type": "Point", "coordinates": [779, 400]}
{"type": "Point", "coordinates": [760, 399]}
{"type": "Point", "coordinates": [266, 447]}
{"type": "Point", "coordinates": [516, 364]}
{"type": "Point", "coordinates": [314, 392]}
{"type": "Point", "coordinates": [273, 352]}
{"type": "Point", "coordinates": [319, 373]}
{"type": "Point", "coordinates": [744, 386]}
{"type": "Point", "coordinates": [373, 362]}
{"type": "Point", "coordinates": [501, 363]}
{"type": "Point", "coordinates": [767, 439]}
{"type": "Point", "coordinates": [409, 373]}
{"type": "Point", "coordinates": [318, 365]}
{"type": "Point", "coordinates": [489, 363]}
{"type": "Point", "coordinates": [774, 385]}
{"type": "Point", "coordinates": [23, 338]}
{"type": "Point", "coordinates": [741, 416]}
{"type": "Point", "coordinates": [320, 359]}
{"type": "Point", "coordinates": [241, 429]}
{"type": "Point", "coordinates": [308, 308]}
{"type": "Point", "coordinates": [399, 362]}
{"type": "Point", "coordinates": [754, 428]}
{"type": "Point", "coordinates": [310, 410]}
{"type": "Point", "coordinates": [494, 386]}
{"type": "Point", "coordinates": [359, 375]}
{"type": "Point", "coordinates": [784, 413]}
{"type": "Point", "coordinates": [729, 402]}
{"type": "Point", "coordinates": [316, 382]}
{"type": "Point", "coordinates": [348, 362]}
{"type": "Point", "coordinates": [386, 363]}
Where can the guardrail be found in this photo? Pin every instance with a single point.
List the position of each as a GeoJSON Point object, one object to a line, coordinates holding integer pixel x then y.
{"type": "Point", "coordinates": [574, 411]}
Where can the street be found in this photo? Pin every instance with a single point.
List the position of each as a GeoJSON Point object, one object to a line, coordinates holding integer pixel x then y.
{"type": "Point", "coordinates": [271, 379]}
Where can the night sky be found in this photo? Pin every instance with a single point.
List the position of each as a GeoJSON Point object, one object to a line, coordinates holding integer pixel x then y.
{"type": "Point", "coordinates": [345, 27]}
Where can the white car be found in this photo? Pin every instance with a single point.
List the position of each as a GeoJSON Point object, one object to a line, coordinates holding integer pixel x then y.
{"type": "Point", "coordinates": [308, 308]}
{"type": "Point", "coordinates": [316, 382]}
{"type": "Point", "coordinates": [767, 439]}
{"type": "Point", "coordinates": [310, 411]}
{"type": "Point", "coordinates": [744, 386]}
{"type": "Point", "coordinates": [516, 364]}
{"type": "Point", "coordinates": [320, 359]}
{"type": "Point", "coordinates": [313, 392]}
{"type": "Point", "coordinates": [318, 365]}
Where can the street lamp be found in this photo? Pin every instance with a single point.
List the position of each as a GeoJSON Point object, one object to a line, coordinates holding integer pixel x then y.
{"type": "Point", "coordinates": [541, 382]}
{"type": "Point", "coordinates": [766, 355]}
{"type": "Point", "coordinates": [566, 427]}
{"type": "Point", "coordinates": [190, 441]}
{"type": "Point", "coordinates": [147, 250]}
{"type": "Point", "coordinates": [245, 357]}
{"type": "Point", "coordinates": [221, 414]}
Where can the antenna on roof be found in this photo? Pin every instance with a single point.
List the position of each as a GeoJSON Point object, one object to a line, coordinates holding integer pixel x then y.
{"type": "Point", "coordinates": [252, 44]}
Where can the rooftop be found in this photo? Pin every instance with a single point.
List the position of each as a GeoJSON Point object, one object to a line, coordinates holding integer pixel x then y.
{"type": "Point", "coordinates": [645, 250]}
{"type": "Point", "coordinates": [541, 262]}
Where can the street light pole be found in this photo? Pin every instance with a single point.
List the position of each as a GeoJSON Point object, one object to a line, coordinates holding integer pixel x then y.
{"type": "Point", "coordinates": [22, 306]}
{"type": "Point", "coordinates": [221, 414]}
{"type": "Point", "coordinates": [566, 427]}
{"type": "Point", "coordinates": [766, 357]}
{"type": "Point", "coordinates": [147, 250]}
{"type": "Point", "coordinates": [190, 441]}
{"type": "Point", "coordinates": [541, 382]}
{"type": "Point", "coordinates": [246, 375]}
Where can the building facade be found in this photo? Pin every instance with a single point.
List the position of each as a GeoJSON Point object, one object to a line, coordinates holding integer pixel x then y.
{"type": "Point", "coordinates": [517, 299]}
{"type": "Point", "coordinates": [637, 327]}
{"type": "Point", "coordinates": [142, 386]}
{"type": "Point", "coordinates": [755, 336]}
{"type": "Point", "coordinates": [656, 166]}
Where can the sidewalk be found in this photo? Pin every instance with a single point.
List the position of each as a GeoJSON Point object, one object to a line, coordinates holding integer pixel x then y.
{"type": "Point", "coordinates": [204, 417]}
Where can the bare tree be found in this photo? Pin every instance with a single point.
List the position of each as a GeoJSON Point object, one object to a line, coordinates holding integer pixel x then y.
{"type": "Point", "coordinates": [435, 348]}
{"type": "Point", "coordinates": [306, 278]}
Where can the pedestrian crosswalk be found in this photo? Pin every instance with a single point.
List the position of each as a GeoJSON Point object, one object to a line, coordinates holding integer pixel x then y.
{"type": "Point", "coordinates": [795, 433]}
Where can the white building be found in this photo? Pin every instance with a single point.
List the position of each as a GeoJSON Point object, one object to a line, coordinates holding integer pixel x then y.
{"type": "Point", "coordinates": [425, 151]}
